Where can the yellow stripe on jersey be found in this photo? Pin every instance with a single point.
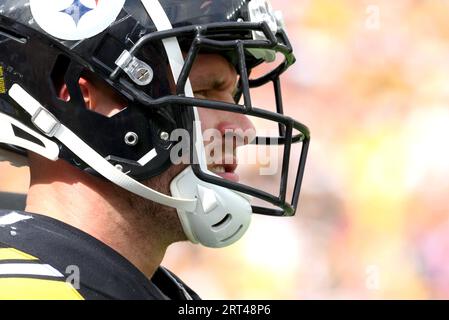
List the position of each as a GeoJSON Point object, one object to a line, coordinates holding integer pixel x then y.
{"type": "Point", "coordinates": [14, 254]}
{"type": "Point", "coordinates": [37, 289]}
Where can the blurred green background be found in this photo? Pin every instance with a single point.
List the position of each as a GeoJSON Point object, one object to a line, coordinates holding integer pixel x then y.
{"type": "Point", "coordinates": [372, 83]}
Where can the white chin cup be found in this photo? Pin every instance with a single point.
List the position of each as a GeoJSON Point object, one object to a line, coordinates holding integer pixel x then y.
{"type": "Point", "coordinates": [221, 216]}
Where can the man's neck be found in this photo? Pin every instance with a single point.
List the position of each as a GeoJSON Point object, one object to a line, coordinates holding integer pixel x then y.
{"type": "Point", "coordinates": [101, 210]}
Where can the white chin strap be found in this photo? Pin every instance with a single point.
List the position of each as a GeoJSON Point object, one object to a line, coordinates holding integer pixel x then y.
{"type": "Point", "coordinates": [221, 216]}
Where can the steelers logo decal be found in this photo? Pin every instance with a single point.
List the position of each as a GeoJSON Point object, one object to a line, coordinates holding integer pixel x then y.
{"type": "Point", "coordinates": [75, 19]}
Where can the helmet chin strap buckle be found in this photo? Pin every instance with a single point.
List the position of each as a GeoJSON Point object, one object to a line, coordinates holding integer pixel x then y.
{"type": "Point", "coordinates": [221, 216]}
{"type": "Point", "coordinates": [40, 117]}
{"type": "Point", "coordinates": [45, 122]}
{"type": "Point", "coordinates": [137, 70]}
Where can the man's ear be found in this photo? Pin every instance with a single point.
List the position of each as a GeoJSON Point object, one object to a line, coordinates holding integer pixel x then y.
{"type": "Point", "coordinates": [86, 91]}
{"type": "Point", "coordinates": [97, 98]}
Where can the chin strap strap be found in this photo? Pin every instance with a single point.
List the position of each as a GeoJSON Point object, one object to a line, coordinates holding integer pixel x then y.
{"type": "Point", "coordinates": [51, 127]}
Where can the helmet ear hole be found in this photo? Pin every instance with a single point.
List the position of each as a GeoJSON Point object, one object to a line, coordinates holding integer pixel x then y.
{"type": "Point", "coordinates": [57, 77]}
{"type": "Point", "coordinates": [64, 91]}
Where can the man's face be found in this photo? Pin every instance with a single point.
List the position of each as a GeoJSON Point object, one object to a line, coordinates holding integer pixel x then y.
{"type": "Point", "coordinates": [214, 78]}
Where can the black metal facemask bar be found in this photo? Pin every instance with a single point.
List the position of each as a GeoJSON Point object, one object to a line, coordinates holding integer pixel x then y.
{"type": "Point", "coordinates": [199, 34]}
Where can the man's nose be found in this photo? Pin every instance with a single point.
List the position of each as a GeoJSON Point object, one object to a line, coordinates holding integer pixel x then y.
{"type": "Point", "coordinates": [229, 124]}
{"type": "Point", "coordinates": [232, 121]}
{"type": "Point", "coordinates": [234, 124]}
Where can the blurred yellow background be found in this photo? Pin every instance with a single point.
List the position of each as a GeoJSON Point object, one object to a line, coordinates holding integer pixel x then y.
{"type": "Point", "coordinates": [372, 83]}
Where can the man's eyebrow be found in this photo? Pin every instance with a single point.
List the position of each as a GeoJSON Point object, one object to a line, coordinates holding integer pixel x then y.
{"type": "Point", "coordinates": [213, 79]}
{"type": "Point", "coordinates": [201, 80]}
{"type": "Point", "coordinates": [209, 80]}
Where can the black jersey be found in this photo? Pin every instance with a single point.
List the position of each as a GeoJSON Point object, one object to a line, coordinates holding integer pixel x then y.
{"type": "Point", "coordinates": [43, 258]}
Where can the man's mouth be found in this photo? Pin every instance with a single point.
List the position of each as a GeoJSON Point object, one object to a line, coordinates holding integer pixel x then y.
{"type": "Point", "coordinates": [226, 171]}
